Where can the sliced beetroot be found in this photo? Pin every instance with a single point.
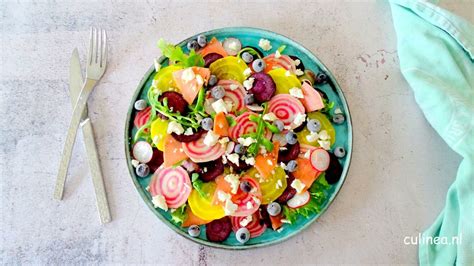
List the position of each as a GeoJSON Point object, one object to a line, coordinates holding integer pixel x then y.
{"type": "Point", "coordinates": [176, 102]}
{"type": "Point", "coordinates": [188, 138]}
{"type": "Point", "coordinates": [291, 153]}
{"type": "Point", "coordinates": [263, 87]}
{"type": "Point", "coordinates": [156, 160]}
{"type": "Point", "coordinates": [219, 230]}
{"type": "Point", "coordinates": [243, 166]}
{"type": "Point", "coordinates": [300, 66]}
{"type": "Point", "coordinates": [210, 170]}
{"type": "Point", "coordinates": [334, 171]}
{"type": "Point", "coordinates": [211, 58]}
{"type": "Point", "coordinates": [289, 191]}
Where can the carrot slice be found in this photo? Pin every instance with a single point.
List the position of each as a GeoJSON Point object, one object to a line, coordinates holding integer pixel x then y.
{"type": "Point", "coordinates": [189, 83]}
{"type": "Point", "coordinates": [305, 172]}
{"type": "Point", "coordinates": [213, 46]}
{"type": "Point", "coordinates": [221, 126]}
{"type": "Point", "coordinates": [173, 152]}
{"type": "Point", "coordinates": [276, 221]}
{"type": "Point", "coordinates": [192, 219]}
{"type": "Point", "coordinates": [266, 163]}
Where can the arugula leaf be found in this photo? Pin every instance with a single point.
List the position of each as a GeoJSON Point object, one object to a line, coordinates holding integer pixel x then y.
{"type": "Point", "coordinates": [197, 184]}
{"type": "Point", "coordinates": [176, 55]}
{"type": "Point", "coordinates": [179, 215]}
{"type": "Point", "coordinates": [231, 121]}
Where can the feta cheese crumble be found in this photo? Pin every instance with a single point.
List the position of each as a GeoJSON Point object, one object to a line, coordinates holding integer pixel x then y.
{"type": "Point", "coordinates": [246, 141]}
{"type": "Point", "coordinates": [325, 144]}
{"type": "Point", "coordinates": [297, 93]}
{"type": "Point", "coordinates": [264, 44]}
{"type": "Point", "coordinates": [312, 137]}
{"type": "Point", "coordinates": [234, 182]}
{"type": "Point", "coordinates": [277, 54]}
{"type": "Point", "coordinates": [299, 72]}
{"type": "Point", "coordinates": [188, 131]}
{"type": "Point", "coordinates": [247, 72]}
{"type": "Point", "coordinates": [219, 106]}
{"type": "Point", "coordinates": [250, 161]}
{"type": "Point", "coordinates": [159, 202]}
{"type": "Point", "coordinates": [299, 119]}
{"type": "Point", "coordinates": [223, 196]}
{"type": "Point", "coordinates": [230, 207]}
{"type": "Point", "coordinates": [234, 158]}
{"type": "Point", "coordinates": [298, 185]}
{"type": "Point", "coordinates": [233, 87]}
{"type": "Point", "coordinates": [270, 117]}
{"type": "Point", "coordinates": [175, 127]}
{"type": "Point", "coordinates": [211, 138]}
{"type": "Point", "coordinates": [248, 84]}
{"type": "Point", "coordinates": [244, 222]}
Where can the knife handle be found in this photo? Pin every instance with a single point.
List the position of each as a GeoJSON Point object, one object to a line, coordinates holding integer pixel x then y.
{"type": "Point", "coordinates": [71, 137]}
{"type": "Point", "coordinates": [96, 172]}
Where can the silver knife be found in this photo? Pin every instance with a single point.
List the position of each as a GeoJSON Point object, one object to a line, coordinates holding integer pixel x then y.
{"type": "Point", "coordinates": [75, 86]}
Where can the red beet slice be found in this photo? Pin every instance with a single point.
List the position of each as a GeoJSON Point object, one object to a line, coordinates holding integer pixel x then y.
{"type": "Point", "coordinates": [290, 153]}
{"type": "Point", "coordinates": [289, 191]}
{"type": "Point", "coordinates": [263, 87]}
{"type": "Point", "coordinates": [210, 170]}
{"type": "Point", "coordinates": [156, 160]}
{"type": "Point", "coordinates": [211, 58]}
{"type": "Point", "coordinates": [219, 230]}
{"type": "Point", "coordinates": [187, 138]}
{"type": "Point", "coordinates": [176, 102]}
{"type": "Point", "coordinates": [334, 171]}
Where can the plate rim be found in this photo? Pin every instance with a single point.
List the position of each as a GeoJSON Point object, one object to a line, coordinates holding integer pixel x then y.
{"type": "Point", "coordinates": [170, 225]}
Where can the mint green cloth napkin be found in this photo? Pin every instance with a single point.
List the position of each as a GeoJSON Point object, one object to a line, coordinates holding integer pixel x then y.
{"type": "Point", "coordinates": [436, 51]}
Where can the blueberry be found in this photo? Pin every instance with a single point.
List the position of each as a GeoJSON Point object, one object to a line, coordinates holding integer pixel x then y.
{"type": "Point", "coordinates": [194, 230]}
{"type": "Point", "coordinates": [274, 208]}
{"type": "Point", "coordinates": [242, 235]}
{"type": "Point", "coordinates": [201, 40]}
{"type": "Point", "coordinates": [212, 80]}
{"type": "Point", "coordinates": [142, 170]}
{"type": "Point", "coordinates": [245, 186]}
{"type": "Point", "coordinates": [291, 166]}
{"type": "Point", "coordinates": [247, 57]}
{"type": "Point", "coordinates": [279, 124]}
{"type": "Point", "coordinates": [321, 78]}
{"type": "Point", "coordinates": [291, 138]}
{"type": "Point", "coordinates": [338, 119]}
{"type": "Point", "coordinates": [313, 125]}
{"type": "Point", "coordinates": [258, 65]}
{"type": "Point", "coordinates": [239, 149]}
{"type": "Point", "coordinates": [339, 152]}
{"type": "Point", "coordinates": [140, 105]}
{"type": "Point", "coordinates": [192, 45]}
{"type": "Point", "coordinates": [249, 99]}
{"type": "Point", "coordinates": [207, 123]}
{"type": "Point", "coordinates": [218, 92]}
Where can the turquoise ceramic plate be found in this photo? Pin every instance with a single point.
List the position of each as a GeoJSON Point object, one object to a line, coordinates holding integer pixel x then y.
{"type": "Point", "coordinates": [251, 37]}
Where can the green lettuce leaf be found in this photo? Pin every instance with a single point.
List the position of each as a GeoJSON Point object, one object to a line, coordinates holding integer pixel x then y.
{"type": "Point", "coordinates": [176, 55]}
{"type": "Point", "coordinates": [179, 215]}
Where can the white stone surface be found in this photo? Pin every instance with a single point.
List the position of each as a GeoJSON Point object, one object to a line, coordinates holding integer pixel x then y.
{"type": "Point", "coordinates": [396, 186]}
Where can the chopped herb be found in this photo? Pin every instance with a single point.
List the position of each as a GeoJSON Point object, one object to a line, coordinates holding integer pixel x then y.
{"type": "Point", "coordinates": [176, 55]}
{"type": "Point", "coordinates": [281, 48]}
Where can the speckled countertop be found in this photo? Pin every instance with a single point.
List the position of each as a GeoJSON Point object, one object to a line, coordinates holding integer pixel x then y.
{"type": "Point", "coordinates": [395, 188]}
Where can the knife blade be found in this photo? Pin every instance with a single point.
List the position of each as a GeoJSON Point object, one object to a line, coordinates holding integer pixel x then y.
{"type": "Point", "coordinates": [75, 86]}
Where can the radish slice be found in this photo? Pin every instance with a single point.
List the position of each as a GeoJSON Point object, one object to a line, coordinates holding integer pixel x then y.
{"type": "Point", "coordinates": [285, 108]}
{"type": "Point", "coordinates": [142, 151]}
{"type": "Point", "coordinates": [299, 200]}
{"type": "Point", "coordinates": [243, 126]}
{"type": "Point", "coordinates": [142, 118]}
{"type": "Point", "coordinates": [283, 61]}
{"type": "Point", "coordinates": [173, 184]}
{"type": "Point", "coordinates": [247, 203]}
{"type": "Point", "coordinates": [255, 228]}
{"type": "Point", "coordinates": [234, 93]}
{"type": "Point", "coordinates": [199, 152]}
{"type": "Point", "coordinates": [320, 159]}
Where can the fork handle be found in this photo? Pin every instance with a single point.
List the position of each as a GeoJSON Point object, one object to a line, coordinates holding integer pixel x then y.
{"type": "Point", "coordinates": [71, 137]}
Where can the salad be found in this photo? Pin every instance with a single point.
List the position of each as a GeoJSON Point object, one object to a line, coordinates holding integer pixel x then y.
{"type": "Point", "coordinates": [235, 139]}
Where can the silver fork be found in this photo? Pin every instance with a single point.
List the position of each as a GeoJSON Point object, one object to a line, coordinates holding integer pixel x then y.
{"type": "Point", "coordinates": [96, 63]}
